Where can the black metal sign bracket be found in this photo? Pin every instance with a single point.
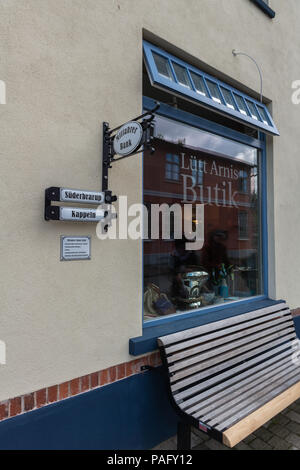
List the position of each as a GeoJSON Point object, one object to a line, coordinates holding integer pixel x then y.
{"type": "Point", "coordinates": [52, 194]}
{"type": "Point", "coordinates": [109, 158]}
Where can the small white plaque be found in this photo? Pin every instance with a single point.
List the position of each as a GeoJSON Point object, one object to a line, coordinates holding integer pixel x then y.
{"type": "Point", "coordinates": [75, 248]}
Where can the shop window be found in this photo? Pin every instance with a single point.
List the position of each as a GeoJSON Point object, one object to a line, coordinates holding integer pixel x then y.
{"type": "Point", "coordinates": [170, 73]}
{"type": "Point", "coordinates": [217, 257]}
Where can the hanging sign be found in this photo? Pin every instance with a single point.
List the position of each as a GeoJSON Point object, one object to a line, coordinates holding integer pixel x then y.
{"type": "Point", "coordinates": [81, 214]}
{"type": "Point", "coordinates": [74, 214]}
{"type": "Point", "coordinates": [78, 214]}
{"type": "Point", "coordinates": [128, 138]}
{"type": "Point", "coordinates": [74, 195]}
{"type": "Point", "coordinates": [77, 195]}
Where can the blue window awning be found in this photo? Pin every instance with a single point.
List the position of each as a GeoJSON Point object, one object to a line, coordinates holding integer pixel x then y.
{"type": "Point", "coordinates": [168, 72]}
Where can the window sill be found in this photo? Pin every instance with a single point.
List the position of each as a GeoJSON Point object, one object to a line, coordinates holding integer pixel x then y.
{"type": "Point", "coordinates": [148, 341]}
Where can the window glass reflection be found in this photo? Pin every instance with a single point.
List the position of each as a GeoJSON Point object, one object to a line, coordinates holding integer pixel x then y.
{"type": "Point", "coordinates": [217, 180]}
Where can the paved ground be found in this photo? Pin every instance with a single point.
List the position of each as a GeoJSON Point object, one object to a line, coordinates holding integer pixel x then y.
{"type": "Point", "coordinates": [281, 433]}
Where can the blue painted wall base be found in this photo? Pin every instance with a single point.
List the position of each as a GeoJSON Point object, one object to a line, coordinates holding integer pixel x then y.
{"type": "Point", "coordinates": [133, 413]}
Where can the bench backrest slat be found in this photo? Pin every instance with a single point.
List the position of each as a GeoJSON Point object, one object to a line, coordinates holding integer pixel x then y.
{"type": "Point", "coordinates": [231, 350]}
{"type": "Point", "coordinates": [221, 324]}
{"type": "Point", "coordinates": [198, 353]}
{"type": "Point", "coordinates": [175, 387]}
{"type": "Point", "coordinates": [223, 362]}
{"type": "Point", "coordinates": [234, 339]}
{"type": "Point", "coordinates": [220, 333]}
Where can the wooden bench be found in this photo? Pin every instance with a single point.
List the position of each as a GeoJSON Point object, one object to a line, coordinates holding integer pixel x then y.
{"type": "Point", "coordinates": [229, 377]}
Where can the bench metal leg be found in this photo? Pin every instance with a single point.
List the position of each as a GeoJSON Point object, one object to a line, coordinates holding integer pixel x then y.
{"type": "Point", "coordinates": [183, 436]}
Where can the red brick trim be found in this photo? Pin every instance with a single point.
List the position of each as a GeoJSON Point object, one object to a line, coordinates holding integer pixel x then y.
{"type": "Point", "coordinates": [31, 401]}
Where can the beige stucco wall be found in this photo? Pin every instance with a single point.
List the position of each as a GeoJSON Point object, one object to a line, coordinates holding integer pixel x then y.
{"type": "Point", "coordinates": [68, 65]}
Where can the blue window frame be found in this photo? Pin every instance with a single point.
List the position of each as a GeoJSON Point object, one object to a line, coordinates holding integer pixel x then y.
{"type": "Point", "coordinates": [159, 327]}
{"type": "Point", "coordinates": [168, 72]}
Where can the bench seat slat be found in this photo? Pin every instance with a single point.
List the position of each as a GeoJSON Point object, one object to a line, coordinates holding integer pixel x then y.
{"type": "Point", "coordinates": [237, 432]}
{"type": "Point", "coordinates": [220, 395]}
{"type": "Point", "coordinates": [223, 362]}
{"type": "Point", "coordinates": [209, 372]}
{"type": "Point", "coordinates": [220, 324]}
{"type": "Point", "coordinates": [235, 347]}
{"type": "Point", "coordinates": [221, 333]}
{"type": "Point", "coordinates": [213, 394]}
{"type": "Point", "coordinates": [226, 415]}
{"type": "Point", "coordinates": [242, 393]}
{"type": "Point", "coordinates": [262, 330]}
{"type": "Point", "coordinates": [255, 405]}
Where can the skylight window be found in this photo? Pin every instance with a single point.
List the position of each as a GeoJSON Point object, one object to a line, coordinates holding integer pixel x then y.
{"type": "Point", "coordinates": [214, 91]}
{"type": "Point", "coordinates": [241, 104]}
{"type": "Point", "coordinates": [253, 110]}
{"type": "Point", "coordinates": [163, 66]}
{"type": "Point", "coordinates": [181, 75]}
{"type": "Point", "coordinates": [228, 98]}
{"type": "Point", "coordinates": [168, 72]}
{"type": "Point", "coordinates": [264, 115]}
{"type": "Point", "coordinates": [199, 84]}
